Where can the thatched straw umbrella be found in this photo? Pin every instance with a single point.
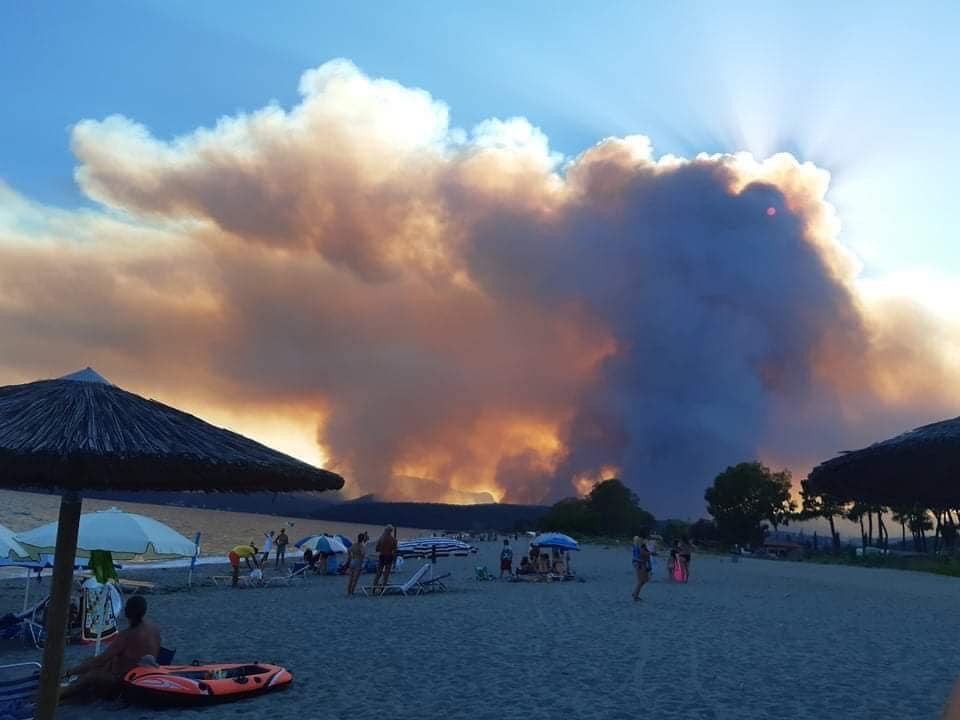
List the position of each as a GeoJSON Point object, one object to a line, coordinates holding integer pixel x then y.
{"type": "Point", "coordinates": [81, 433]}
{"type": "Point", "coordinates": [920, 467]}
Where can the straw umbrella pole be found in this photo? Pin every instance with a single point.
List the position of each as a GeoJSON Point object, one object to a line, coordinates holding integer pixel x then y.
{"type": "Point", "coordinates": [82, 433]}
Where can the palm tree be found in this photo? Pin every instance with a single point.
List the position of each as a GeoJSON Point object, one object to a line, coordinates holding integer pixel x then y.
{"type": "Point", "coordinates": [901, 515]}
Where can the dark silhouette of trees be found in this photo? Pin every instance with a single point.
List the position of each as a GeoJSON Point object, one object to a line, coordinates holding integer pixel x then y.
{"type": "Point", "coordinates": [744, 497]}
{"type": "Point", "coordinates": [611, 509]}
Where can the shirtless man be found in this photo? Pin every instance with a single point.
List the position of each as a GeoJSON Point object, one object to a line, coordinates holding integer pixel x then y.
{"type": "Point", "coordinates": [387, 549]}
{"type": "Point", "coordinates": [102, 674]}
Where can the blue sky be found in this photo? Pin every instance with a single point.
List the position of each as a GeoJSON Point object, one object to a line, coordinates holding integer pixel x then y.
{"type": "Point", "coordinates": [862, 89]}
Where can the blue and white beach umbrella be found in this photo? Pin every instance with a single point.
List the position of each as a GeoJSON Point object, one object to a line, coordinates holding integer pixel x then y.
{"type": "Point", "coordinates": [325, 544]}
{"type": "Point", "coordinates": [555, 540]}
{"type": "Point", "coordinates": [428, 546]}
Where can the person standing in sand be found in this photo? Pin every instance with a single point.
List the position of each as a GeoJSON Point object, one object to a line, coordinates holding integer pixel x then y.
{"type": "Point", "coordinates": [387, 550]}
{"type": "Point", "coordinates": [267, 547]}
{"type": "Point", "coordinates": [282, 541]}
{"type": "Point", "coordinates": [684, 555]}
{"type": "Point", "coordinates": [641, 565]}
{"type": "Point", "coordinates": [506, 559]}
{"type": "Point", "coordinates": [356, 557]}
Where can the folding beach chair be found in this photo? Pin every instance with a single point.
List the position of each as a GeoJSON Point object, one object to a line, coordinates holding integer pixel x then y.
{"type": "Point", "coordinates": [165, 656]}
{"type": "Point", "coordinates": [18, 690]}
{"type": "Point", "coordinates": [27, 625]}
{"type": "Point", "coordinates": [434, 584]}
{"type": "Point", "coordinates": [410, 587]}
{"type": "Point", "coordinates": [483, 574]}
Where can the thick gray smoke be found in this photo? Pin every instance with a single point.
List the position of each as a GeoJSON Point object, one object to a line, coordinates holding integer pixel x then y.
{"type": "Point", "coordinates": [466, 315]}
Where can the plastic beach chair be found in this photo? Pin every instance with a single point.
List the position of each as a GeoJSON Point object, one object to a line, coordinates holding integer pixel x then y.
{"type": "Point", "coordinates": [18, 689]}
{"type": "Point", "coordinates": [410, 587]}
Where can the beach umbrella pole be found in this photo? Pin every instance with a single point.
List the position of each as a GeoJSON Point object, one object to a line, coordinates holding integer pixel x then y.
{"type": "Point", "coordinates": [26, 592]}
{"type": "Point", "coordinates": [59, 611]}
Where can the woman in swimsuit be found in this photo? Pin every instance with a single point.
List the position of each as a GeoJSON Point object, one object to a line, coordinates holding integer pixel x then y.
{"type": "Point", "coordinates": [102, 674]}
{"type": "Point", "coordinates": [641, 565]}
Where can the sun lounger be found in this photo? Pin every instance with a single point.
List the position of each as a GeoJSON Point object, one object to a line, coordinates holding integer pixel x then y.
{"type": "Point", "coordinates": [410, 587]}
{"type": "Point", "coordinates": [242, 581]}
{"type": "Point", "coordinates": [18, 689]}
{"type": "Point", "coordinates": [134, 585]}
{"type": "Point", "coordinates": [434, 584]}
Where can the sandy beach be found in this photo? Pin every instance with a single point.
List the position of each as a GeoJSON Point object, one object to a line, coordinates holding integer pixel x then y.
{"type": "Point", "coordinates": [753, 639]}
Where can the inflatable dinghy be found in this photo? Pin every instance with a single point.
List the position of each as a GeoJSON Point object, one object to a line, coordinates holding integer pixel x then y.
{"type": "Point", "coordinates": [202, 684]}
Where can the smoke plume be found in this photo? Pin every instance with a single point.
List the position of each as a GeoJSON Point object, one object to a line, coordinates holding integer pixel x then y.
{"type": "Point", "coordinates": [462, 315]}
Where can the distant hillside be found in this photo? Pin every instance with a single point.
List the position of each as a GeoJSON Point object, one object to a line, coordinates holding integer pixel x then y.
{"type": "Point", "coordinates": [297, 504]}
{"type": "Point", "coordinates": [330, 506]}
{"type": "Point", "coordinates": [433, 516]}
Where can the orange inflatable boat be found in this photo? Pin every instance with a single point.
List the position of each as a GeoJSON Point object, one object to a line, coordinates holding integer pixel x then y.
{"type": "Point", "coordinates": [203, 684]}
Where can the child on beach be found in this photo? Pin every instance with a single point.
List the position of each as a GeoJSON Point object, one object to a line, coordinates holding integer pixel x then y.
{"type": "Point", "coordinates": [506, 559]}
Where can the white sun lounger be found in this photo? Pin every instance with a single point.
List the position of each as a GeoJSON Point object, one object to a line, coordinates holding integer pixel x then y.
{"type": "Point", "coordinates": [410, 587]}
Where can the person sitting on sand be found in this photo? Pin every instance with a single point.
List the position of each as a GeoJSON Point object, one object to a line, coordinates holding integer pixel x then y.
{"type": "Point", "coordinates": [310, 558]}
{"type": "Point", "coordinates": [387, 551]}
{"type": "Point", "coordinates": [102, 674]}
{"type": "Point", "coordinates": [356, 556]}
{"type": "Point", "coordinates": [543, 563]}
{"type": "Point", "coordinates": [525, 567]}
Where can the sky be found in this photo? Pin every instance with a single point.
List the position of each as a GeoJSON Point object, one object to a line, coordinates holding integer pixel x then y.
{"type": "Point", "coordinates": [470, 252]}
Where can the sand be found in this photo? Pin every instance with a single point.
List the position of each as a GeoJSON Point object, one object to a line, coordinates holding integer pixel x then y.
{"type": "Point", "coordinates": [753, 639]}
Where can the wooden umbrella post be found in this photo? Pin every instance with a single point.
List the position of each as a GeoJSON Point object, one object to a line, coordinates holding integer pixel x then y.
{"type": "Point", "coordinates": [58, 614]}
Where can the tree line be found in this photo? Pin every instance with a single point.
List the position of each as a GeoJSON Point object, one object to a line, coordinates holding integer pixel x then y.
{"type": "Point", "coordinates": [745, 502]}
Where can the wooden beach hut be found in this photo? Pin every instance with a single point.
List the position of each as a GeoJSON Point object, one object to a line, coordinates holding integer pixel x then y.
{"type": "Point", "coordinates": [81, 433]}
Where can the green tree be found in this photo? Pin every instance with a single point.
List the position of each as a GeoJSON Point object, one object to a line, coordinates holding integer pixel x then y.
{"type": "Point", "coordinates": [611, 508]}
{"type": "Point", "coordinates": [743, 497]}
{"type": "Point", "coordinates": [704, 531]}
{"type": "Point", "coordinates": [676, 530]}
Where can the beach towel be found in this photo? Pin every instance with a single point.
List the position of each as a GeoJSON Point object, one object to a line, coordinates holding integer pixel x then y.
{"type": "Point", "coordinates": [99, 613]}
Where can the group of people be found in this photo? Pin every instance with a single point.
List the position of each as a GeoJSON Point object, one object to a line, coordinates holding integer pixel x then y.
{"type": "Point", "coordinates": [678, 569]}
{"type": "Point", "coordinates": [256, 560]}
{"type": "Point", "coordinates": [537, 561]}
{"type": "Point", "coordinates": [386, 549]}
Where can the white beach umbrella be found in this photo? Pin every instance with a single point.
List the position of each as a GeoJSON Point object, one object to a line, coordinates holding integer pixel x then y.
{"type": "Point", "coordinates": [125, 535]}
{"type": "Point", "coordinates": [10, 549]}
{"type": "Point", "coordinates": [326, 544]}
